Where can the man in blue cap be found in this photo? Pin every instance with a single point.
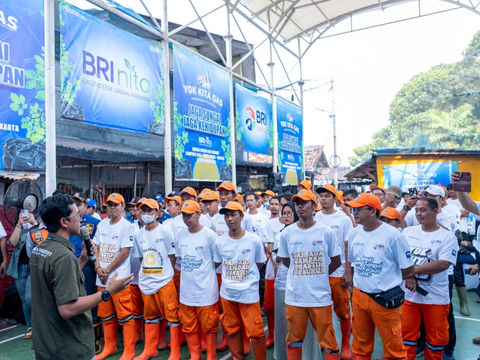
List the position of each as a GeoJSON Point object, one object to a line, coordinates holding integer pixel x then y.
{"type": "Point", "coordinates": [89, 269]}
{"type": "Point", "coordinates": [163, 216]}
{"type": "Point", "coordinates": [92, 209]}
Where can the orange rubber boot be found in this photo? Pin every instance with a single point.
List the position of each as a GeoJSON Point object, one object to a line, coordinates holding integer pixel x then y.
{"type": "Point", "coordinates": [271, 329]}
{"type": "Point", "coordinates": [138, 330]}
{"type": "Point", "coordinates": [193, 341]}
{"type": "Point", "coordinates": [211, 346]}
{"type": "Point", "coordinates": [203, 338]}
{"type": "Point", "coordinates": [162, 340]}
{"type": "Point", "coordinates": [294, 353]}
{"type": "Point", "coordinates": [128, 341]}
{"type": "Point", "coordinates": [346, 327]}
{"type": "Point", "coordinates": [235, 343]}
{"type": "Point", "coordinates": [223, 344]}
{"type": "Point", "coordinates": [259, 349]}
{"type": "Point", "coordinates": [175, 338]}
{"type": "Point", "coordinates": [151, 341]}
{"type": "Point", "coordinates": [110, 334]}
{"type": "Point", "coordinates": [332, 356]}
{"type": "Point", "coordinates": [246, 342]}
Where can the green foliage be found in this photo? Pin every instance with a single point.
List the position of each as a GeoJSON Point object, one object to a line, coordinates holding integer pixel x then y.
{"type": "Point", "coordinates": [177, 117]}
{"type": "Point", "coordinates": [439, 108]}
{"type": "Point", "coordinates": [180, 142]}
{"type": "Point", "coordinates": [158, 106]}
{"type": "Point", "coordinates": [239, 128]}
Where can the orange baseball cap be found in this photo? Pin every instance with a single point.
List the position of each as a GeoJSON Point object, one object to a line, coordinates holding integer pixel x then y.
{"type": "Point", "coordinates": [140, 202]}
{"type": "Point", "coordinates": [259, 193]}
{"type": "Point", "coordinates": [365, 200]}
{"type": "Point", "coordinates": [306, 184]}
{"type": "Point", "coordinates": [189, 191]}
{"type": "Point", "coordinates": [232, 205]}
{"type": "Point", "coordinates": [391, 213]}
{"type": "Point", "coordinates": [306, 195]}
{"type": "Point", "coordinates": [340, 196]}
{"type": "Point", "coordinates": [330, 188]}
{"type": "Point", "coordinates": [209, 195]}
{"type": "Point", "coordinates": [268, 192]}
{"type": "Point", "coordinates": [375, 186]}
{"type": "Point", "coordinates": [190, 206]}
{"type": "Point", "coordinates": [116, 198]}
{"type": "Point", "coordinates": [240, 197]}
{"type": "Point", "coordinates": [178, 199]}
{"type": "Point", "coordinates": [227, 185]}
{"type": "Point", "coordinates": [151, 203]}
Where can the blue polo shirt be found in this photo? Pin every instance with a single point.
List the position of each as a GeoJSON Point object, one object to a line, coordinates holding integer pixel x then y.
{"type": "Point", "coordinates": [164, 217]}
{"type": "Point", "coordinates": [91, 223]}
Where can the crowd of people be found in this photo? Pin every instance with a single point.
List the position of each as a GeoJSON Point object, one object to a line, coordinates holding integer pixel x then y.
{"type": "Point", "coordinates": [200, 263]}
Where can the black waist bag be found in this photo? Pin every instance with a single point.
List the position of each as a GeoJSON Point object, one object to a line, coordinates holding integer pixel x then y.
{"type": "Point", "coordinates": [390, 299]}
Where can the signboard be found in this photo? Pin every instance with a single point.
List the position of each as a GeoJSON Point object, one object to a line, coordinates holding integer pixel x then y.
{"type": "Point", "coordinates": [202, 118]}
{"type": "Point", "coordinates": [290, 141]}
{"type": "Point", "coordinates": [254, 121]}
{"type": "Point", "coordinates": [419, 175]}
{"type": "Point", "coordinates": [109, 77]}
{"type": "Point", "coordinates": [22, 86]}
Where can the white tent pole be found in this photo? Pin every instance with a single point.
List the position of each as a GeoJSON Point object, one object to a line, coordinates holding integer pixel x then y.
{"type": "Point", "coordinates": [271, 64]}
{"type": "Point", "coordinates": [167, 104]}
{"type": "Point", "coordinates": [51, 163]}
{"type": "Point", "coordinates": [228, 45]}
{"type": "Point", "coordinates": [301, 83]}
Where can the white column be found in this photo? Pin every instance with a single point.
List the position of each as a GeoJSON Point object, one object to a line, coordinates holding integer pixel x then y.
{"type": "Point", "coordinates": [301, 83]}
{"type": "Point", "coordinates": [167, 104]}
{"type": "Point", "coordinates": [228, 45]}
{"type": "Point", "coordinates": [271, 64]}
{"type": "Point", "coordinates": [50, 111]}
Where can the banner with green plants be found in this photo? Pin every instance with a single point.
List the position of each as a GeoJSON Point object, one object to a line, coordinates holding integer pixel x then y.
{"type": "Point", "coordinates": [109, 77]}
{"type": "Point", "coordinates": [22, 86]}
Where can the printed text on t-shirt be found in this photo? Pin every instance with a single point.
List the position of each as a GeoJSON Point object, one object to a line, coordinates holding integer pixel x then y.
{"type": "Point", "coordinates": [311, 264]}
{"type": "Point", "coordinates": [236, 271]}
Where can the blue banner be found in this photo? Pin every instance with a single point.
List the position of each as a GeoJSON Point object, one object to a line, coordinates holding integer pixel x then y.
{"type": "Point", "coordinates": [290, 141]}
{"type": "Point", "coordinates": [109, 77]}
{"type": "Point", "coordinates": [202, 118]}
{"type": "Point", "coordinates": [22, 86]}
{"type": "Point", "coordinates": [254, 121]}
{"type": "Point", "coordinates": [420, 175]}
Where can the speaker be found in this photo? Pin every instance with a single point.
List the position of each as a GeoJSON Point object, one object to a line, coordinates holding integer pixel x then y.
{"type": "Point", "coordinates": [275, 181]}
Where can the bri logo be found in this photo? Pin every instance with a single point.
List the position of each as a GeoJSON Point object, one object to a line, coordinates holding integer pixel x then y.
{"type": "Point", "coordinates": [103, 68]}
{"type": "Point", "coordinates": [316, 242]}
{"type": "Point", "coordinates": [289, 117]}
{"type": "Point", "coordinates": [254, 118]}
{"type": "Point", "coordinates": [436, 241]}
{"type": "Point", "coordinates": [379, 247]}
{"type": "Point", "coordinates": [199, 248]}
{"type": "Point", "coordinates": [203, 80]}
{"type": "Point", "coordinates": [245, 251]}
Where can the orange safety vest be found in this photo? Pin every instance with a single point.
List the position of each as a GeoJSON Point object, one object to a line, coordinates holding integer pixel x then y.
{"type": "Point", "coordinates": [39, 236]}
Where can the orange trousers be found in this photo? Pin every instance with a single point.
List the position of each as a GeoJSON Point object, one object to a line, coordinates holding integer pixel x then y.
{"type": "Point", "coordinates": [269, 300]}
{"type": "Point", "coordinates": [219, 281]}
{"type": "Point", "coordinates": [176, 279]}
{"type": "Point", "coordinates": [321, 318]}
{"type": "Point", "coordinates": [137, 301]}
{"type": "Point", "coordinates": [235, 314]}
{"type": "Point", "coordinates": [435, 318]}
{"type": "Point", "coordinates": [119, 306]}
{"type": "Point", "coordinates": [340, 298]}
{"type": "Point", "coordinates": [368, 315]}
{"type": "Point", "coordinates": [196, 318]}
{"type": "Point", "coordinates": [163, 304]}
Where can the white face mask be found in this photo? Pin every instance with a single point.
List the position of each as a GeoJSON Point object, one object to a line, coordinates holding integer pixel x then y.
{"type": "Point", "coordinates": [27, 226]}
{"type": "Point", "coordinates": [148, 219]}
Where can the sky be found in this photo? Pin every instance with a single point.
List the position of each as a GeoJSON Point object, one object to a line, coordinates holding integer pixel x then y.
{"type": "Point", "coordinates": [368, 67]}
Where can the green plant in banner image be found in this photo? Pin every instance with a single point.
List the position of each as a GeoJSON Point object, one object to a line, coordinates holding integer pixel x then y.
{"type": "Point", "coordinates": [280, 161]}
{"type": "Point", "coordinates": [177, 118]}
{"type": "Point", "coordinates": [35, 124]}
{"type": "Point", "coordinates": [37, 78]}
{"type": "Point", "coordinates": [18, 103]}
{"type": "Point", "coordinates": [239, 128]}
{"type": "Point", "coordinates": [270, 135]}
{"type": "Point", "coordinates": [158, 105]}
{"type": "Point", "coordinates": [228, 152]}
{"type": "Point", "coordinates": [129, 67]}
{"type": "Point", "coordinates": [180, 142]}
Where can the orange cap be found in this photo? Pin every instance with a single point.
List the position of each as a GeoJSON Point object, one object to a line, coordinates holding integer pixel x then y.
{"type": "Point", "coordinates": [190, 206]}
{"type": "Point", "coordinates": [365, 200]}
{"type": "Point", "coordinates": [340, 196]}
{"type": "Point", "coordinates": [240, 197]}
{"type": "Point", "coordinates": [330, 188]}
{"type": "Point", "coordinates": [116, 198]}
{"type": "Point", "coordinates": [306, 184]}
{"type": "Point", "coordinates": [227, 185]}
{"type": "Point", "coordinates": [375, 186]}
{"type": "Point", "coordinates": [391, 213]}
{"type": "Point", "coordinates": [209, 195]}
{"type": "Point", "coordinates": [259, 193]}
{"type": "Point", "coordinates": [178, 199]}
{"type": "Point", "coordinates": [152, 204]}
{"type": "Point", "coordinates": [188, 190]}
{"type": "Point", "coordinates": [268, 192]}
{"type": "Point", "coordinates": [232, 205]}
{"type": "Point", "coordinates": [140, 202]}
{"type": "Point", "coordinates": [306, 195]}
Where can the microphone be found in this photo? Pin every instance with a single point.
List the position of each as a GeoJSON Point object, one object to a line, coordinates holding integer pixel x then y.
{"type": "Point", "coordinates": [85, 235]}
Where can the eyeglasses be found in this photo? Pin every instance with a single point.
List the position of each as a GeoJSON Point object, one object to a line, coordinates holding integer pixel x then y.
{"type": "Point", "coordinates": [288, 214]}
{"type": "Point", "coordinates": [357, 210]}
{"type": "Point", "coordinates": [77, 215]}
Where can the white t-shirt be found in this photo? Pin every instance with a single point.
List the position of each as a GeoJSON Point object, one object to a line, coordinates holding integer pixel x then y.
{"type": "Point", "coordinates": [96, 216]}
{"type": "Point", "coordinates": [271, 233]}
{"type": "Point", "coordinates": [154, 247]}
{"type": "Point", "coordinates": [378, 257]}
{"type": "Point", "coordinates": [240, 275]}
{"type": "Point", "coordinates": [198, 282]}
{"type": "Point", "coordinates": [426, 247]}
{"type": "Point", "coordinates": [220, 226]}
{"type": "Point", "coordinates": [110, 239]}
{"type": "Point", "coordinates": [342, 225]}
{"type": "Point", "coordinates": [260, 225]}
{"type": "Point", "coordinates": [462, 221]}
{"type": "Point", "coordinates": [309, 251]}
{"type": "Point", "coordinates": [135, 263]}
{"type": "Point", "coordinates": [3, 233]}
{"type": "Point", "coordinates": [263, 210]}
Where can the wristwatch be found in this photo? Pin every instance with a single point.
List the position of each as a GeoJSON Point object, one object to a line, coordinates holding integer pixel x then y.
{"type": "Point", "coordinates": [106, 295]}
{"type": "Point", "coordinates": [406, 208]}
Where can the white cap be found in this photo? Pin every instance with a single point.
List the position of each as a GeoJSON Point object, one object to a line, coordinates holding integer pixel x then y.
{"type": "Point", "coordinates": [435, 190]}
